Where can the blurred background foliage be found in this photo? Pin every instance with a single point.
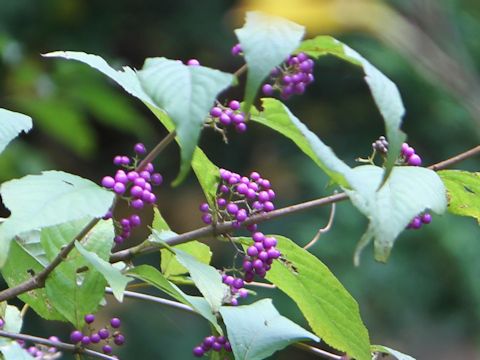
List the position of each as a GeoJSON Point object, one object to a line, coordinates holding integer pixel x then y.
{"type": "Point", "coordinates": [425, 301]}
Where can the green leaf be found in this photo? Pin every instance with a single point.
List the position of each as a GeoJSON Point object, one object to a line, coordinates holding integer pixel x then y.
{"type": "Point", "coordinates": [331, 312]}
{"type": "Point", "coordinates": [186, 93]}
{"type": "Point", "coordinates": [266, 42]}
{"type": "Point", "coordinates": [155, 278]}
{"type": "Point", "coordinates": [75, 294]}
{"type": "Point", "coordinates": [27, 255]}
{"type": "Point", "coordinates": [408, 191]}
{"type": "Point", "coordinates": [385, 350]}
{"type": "Point", "coordinates": [278, 117]}
{"type": "Point", "coordinates": [463, 189]}
{"type": "Point", "coordinates": [117, 281]}
{"type": "Point", "coordinates": [12, 124]}
{"type": "Point", "coordinates": [208, 175]}
{"type": "Point", "coordinates": [13, 320]}
{"type": "Point", "coordinates": [206, 278]}
{"type": "Point", "coordinates": [170, 265]}
{"type": "Point", "coordinates": [256, 331]}
{"type": "Point", "coordinates": [54, 197]}
{"type": "Point", "coordinates": [159, 222]}
{"type": "Point", "coordinates": [385, 93]}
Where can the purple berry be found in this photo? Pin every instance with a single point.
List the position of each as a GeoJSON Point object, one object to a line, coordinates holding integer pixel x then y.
{"type": "Point", "coordinates": [135, 220]}
{"type": "Point", "coordinates": [136, 191]}
{"type": "Point", "coordinates": [227, 346]}
{"type": "Point", "coordinates": [426, 218]}
{"type": "Point", "coordinates": [217, 346]}
{"type": "Point", "coordinates": [95, 338]}
{"type": "Point", "coordinates": [86, 340]}
{"type": "Point", "coordinates": [225, 119]}
{"type": "Point", "coordinates": [269, 242]}
{"type": "Point", "coordinates": [232, 208]}
{"type": "Point", "coordinates": [125, 160]}
{"type": "Point", "coordinates": [241, 215]}
{"type": "Point", "coordinates": [193, 62]}
{"type": "Point", "coordinates": [241, 128]}
{"type": "Point", "coordinates": [207, 219]}
{"type": "Point", "coordinates": [221, 202]}
{"type": "Point", "coordinates": [107, 349]}
{"type": "Point", "coordinates": [234, 105]}
{"type": "Point", "coordinates": [140, 149]}
{"type": "Point", "coordinates": [103, 333]}
{"type": "Point", "coordinates": [263, 196]}
{"type": "Point", "coordinates": [115, 323]}
{"type": "Point", "coordinates": [216, 112]}
{"type": "Point", "coordinates": [204, 207]}
{"type": "Point", "coordinates": [76, 336]}
{"type": "Point", "coordinates": [238, 283]}
{"type": "Point", "coordinates": [117, 160]}
{"type": "Point", "coordinates": [229, 280]}
{"type": "Point", "coordinates": [119, 339]}
{"type": "Point", "coordinates": [119, 188]}
{"type": "Point", "coordinates": [89, 318]}
{"type": "Point", "coordinates": [267, 89]}
{"type": "Point", "coordinates": [140, 182]}
{"type": "Point", "coordinates": [252, 251]}
{"type": "Point", "coordinates": [198, 351]}
{"type": "Point", "coordinates": [137, 204]}
{"type": "Point", "coordinates": [255, 176]}
{"type": "Point", "coordinates": [132, 175]}
{"type": "Point", "coordinates": [258, 237]}
{"type": "Point", "coordinates": [268, 206]}
{"type": "Point", "coordinates": [236, 49]}
{"type": "Point", "coordinates": [258, 264]}
{"type": "Point", "coordinates": [247, 265]}
{"type": "Point", "coordinates": [108, 182]}
{"type": "Point", "coordinates": [414, 160]}
{"type": "Point", "coordinates": [157, 179]}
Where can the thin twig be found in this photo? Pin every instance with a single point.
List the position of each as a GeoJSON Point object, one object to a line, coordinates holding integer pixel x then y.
{"type": "Point", "coordinates": [240, 71]}
{"type": "Point", "coordinates": [264, 285]}
{"type": "Point", "coordinates": [317, 351]}
{"type": "Point", "coordinates": [156, 150]}
{"type": "Point", "coordinates": [323, 230]}
{"type": "Point", "coordinates": [56, 344]}
{"type": "Point", "coordinates": [155, 299]}
{"type": "Point", "coordinates": [456, 159]}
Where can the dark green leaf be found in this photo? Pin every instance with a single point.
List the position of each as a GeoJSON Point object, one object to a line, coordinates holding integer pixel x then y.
{"type": "Point", "coordinates": [463, 189]}
{"type": "Point", "coordinates": [384, 91]}
{"type": "Point", "coordinates": [330, 310]}
{"type": "Point", "coordinates": [54, 197]}
{"type": "Point", "coordinates": [266, 42]}
{"type": "Point", "coordinates": [256, 331]}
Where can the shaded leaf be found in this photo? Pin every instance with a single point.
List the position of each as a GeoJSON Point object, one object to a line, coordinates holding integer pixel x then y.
{"type": "Point", "coordinates": [75, 294]}
{"type": "Point", "coordinates": [463, 190]}
{"type": "Point", "coordinates": [11, 125]}
{"type": "Point", "coordinates": [396, 354]}
{"type": "Point", "coordinates": [385, 93]}
{"type": "Point", "coordinates": [256, 331]}
{"type": "Point", "coordinates": [27, 255]}
{"type": "Point", "coordinates": [117, 281]}
{"type": "Point", "coordinates": [54, 197]}
{"type": "Point", "coordinates": [266, 42]}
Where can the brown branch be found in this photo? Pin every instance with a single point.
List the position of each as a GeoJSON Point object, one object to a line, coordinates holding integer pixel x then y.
{"type": "Point", "coordinates": [455, 159]}
{"type": "Point", "coordinates": [57, 344]}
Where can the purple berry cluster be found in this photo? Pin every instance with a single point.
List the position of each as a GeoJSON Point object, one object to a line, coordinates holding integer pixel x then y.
{"type": "Point", "coordinates": [238, 198]}
{"type": "Point", "coordinates": [105, 335]}
{"type": "Point", "coordinates": [43, 352]}
{"type": "Point", "coordinates": [381, 145]}
{"type": "Point", "coordinates": [292, 77]}
{"type": "Point", "coordinates": [215, 343]}
{"type": "Point", "coordinates": [134, 186]}
{"type": "Point", "coordinates": [409, 156]}
{"type": "Point", "coordinates": [222, 116]}
{"type": "Point", "coordinates": [419, 220]}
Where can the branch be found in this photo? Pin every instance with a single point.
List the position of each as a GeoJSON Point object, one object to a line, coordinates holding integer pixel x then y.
{"type": "Point", "coordinates": [455, 159]}
{"type": "Point", "coordinates": [317, 351]}
{"type": "Point", "coordinates": [56, 344]}
{"type": "Point", "coordinates": [155, 299]}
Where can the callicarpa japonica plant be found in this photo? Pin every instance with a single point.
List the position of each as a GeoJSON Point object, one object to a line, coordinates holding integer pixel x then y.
{"type": "Point", "coordinates": [66, 249]}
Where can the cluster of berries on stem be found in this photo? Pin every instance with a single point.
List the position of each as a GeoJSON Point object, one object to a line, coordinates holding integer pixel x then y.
{"type": "Point", "coordinates": [409, 156]}
{"type": "Point", "coordinates": [222, 116]}
{"type": "Point", "coordinates": [215, 343]}
{"type": "Point", "coordinates": [134, 186]}
{"type": "Point", "coordinates": [104, 335]}
{"type": "Point", "coordinates": [238, 198]}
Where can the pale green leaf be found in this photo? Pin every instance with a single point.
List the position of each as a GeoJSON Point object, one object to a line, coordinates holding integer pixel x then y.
{"type": "Point", "coordinates": [11, 125]}
{"type": "Point", "coordinates": [54, 197]}
{"type": "Point", "coordinates": [186, 94]}
{"type": "Point", "coordinates": [266, 42]}
{"type": "Point", "coordinates": [331, 312]}
{"type": "Point", "coordinates": [208, 175]}
{"type": "Point", "coordinates": [170, 265]}
{"type": "Point", "coordinates": [408, 191]}
{"type": "Point", "coordinates": [206, 278]}
{"type": "Point", "coordinates": [117, 281]}
{"type": "Point", "coordinates": [75, 294]}
{"type": "Point", "coordinates": [12, 350]}
{"type": "Point", "coordinates": [386, 350]}
{"type": "Point", "coordinates": [385, 93]}
{"type": "Point", "coordinates": [463, 189]}
{"type": "Point", "coordinates": [256, 331]}
{"type": "Point", "coordinates": [155, 278]}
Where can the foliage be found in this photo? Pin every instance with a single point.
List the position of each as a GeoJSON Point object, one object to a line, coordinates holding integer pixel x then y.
{"type": "Point", "coordinates": [58, 255]}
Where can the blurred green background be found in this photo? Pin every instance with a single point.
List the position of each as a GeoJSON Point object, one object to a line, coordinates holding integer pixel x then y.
{"type": "Point", "coordinates": [425, 301]}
